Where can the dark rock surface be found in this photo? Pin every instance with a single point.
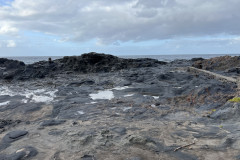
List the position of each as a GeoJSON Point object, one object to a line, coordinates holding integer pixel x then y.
{"type": "Point", "coordinates": [21, 154]}
{"type": "Point", "coordinates": [11, 137]}
{"type": "Point", "coordinates": [86, 63]}
{"type": "Point", "coordinates": [102, 107]}
{"type": "Point", "coordinates": [10, 68]}
{"type": "Point", "coordinates": [52, 122]}
{"type": "Point", "coordinates": [7, 123]}
{"type": "Point", "coordinates": [218, 63]}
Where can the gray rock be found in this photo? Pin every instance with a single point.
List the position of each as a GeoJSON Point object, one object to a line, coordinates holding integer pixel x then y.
{"type": "Point", "coordinates": [88, 157]}
{"type": "Point", "coordinates": [24, 153]}
{"type": "Point", "coordinates": [134, 158]}
{"type": "Point", "coordinates": [52, 122]}
{"type": "Point", "coordinates": [13, 136]}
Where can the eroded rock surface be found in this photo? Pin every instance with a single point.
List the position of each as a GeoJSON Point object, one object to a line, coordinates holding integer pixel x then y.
{"type": "Point", "coordinates": [141, 111]}
{"type": "Point", "coordinates": [86, 63]}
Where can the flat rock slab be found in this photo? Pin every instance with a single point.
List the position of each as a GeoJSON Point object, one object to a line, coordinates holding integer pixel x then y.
{"type": "Point", "coordinates": [134, 158]}
{"type": "Point", "coordinates": [52, 122]}
{"type": "Point", "coordinates": [11, 137]}
{"type": "Point", "coordinates": [88, 157]}
{"type": "Point", "coordinates": [21, 154]}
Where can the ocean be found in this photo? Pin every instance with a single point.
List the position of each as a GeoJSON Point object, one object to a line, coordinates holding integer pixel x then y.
{"type": "Point", "coordinates": [166, 58]}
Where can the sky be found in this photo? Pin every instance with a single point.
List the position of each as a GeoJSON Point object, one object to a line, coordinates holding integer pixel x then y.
{"type": "Point", "coordinates": [119, 27]}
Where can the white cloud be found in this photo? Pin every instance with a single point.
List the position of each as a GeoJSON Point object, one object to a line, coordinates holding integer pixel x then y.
{"type": "Point", "coordinates": [7, 29]}
{"type": "Point", "coordinates": [11, 44]}
{"type": "Point", "coordinates": [122, 20]}
{"type": "Point", "coordinates": [8, 44]}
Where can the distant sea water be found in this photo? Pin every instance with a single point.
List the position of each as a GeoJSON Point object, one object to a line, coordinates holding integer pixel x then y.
{"type": "Point", "coordinates": [166, 58]}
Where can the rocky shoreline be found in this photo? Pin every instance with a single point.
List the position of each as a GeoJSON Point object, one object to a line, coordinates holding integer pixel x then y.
{"type": "Point", "coordinates": [102, 107]}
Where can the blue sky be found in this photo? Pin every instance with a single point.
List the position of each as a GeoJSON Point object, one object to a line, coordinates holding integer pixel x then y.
{"type": "Point", "coordinates": [120, 27]}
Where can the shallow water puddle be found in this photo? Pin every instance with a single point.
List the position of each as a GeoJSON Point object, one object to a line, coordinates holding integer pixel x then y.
{"type": "Point", "coordinates": [25, 100]}
{"type": "Point", "coordinates": [121, 88]}
{"type": "Point", "coordinates": [4, 103]}
{"type": "Point", "coordinates": [91, 103]}
{"type": "Point", "coordinates": [128, 95]}
{"type": "Point", "coordinates": [155, 97]}
{"type": "Point", "coordinates": [126, 108]}
{"type": "Point", "coordinates": [153, 105]}
{"type": "Point", "coordinates": [102, 95]}
{"type": "Point", "coordinates": [80, 112]}
{"type": "Point", "coordinates": [177, 87]}
{"type": "Point", "coordinates": [106, 94]}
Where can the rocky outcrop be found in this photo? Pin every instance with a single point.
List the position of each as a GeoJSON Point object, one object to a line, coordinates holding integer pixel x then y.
{"type": "Point", "coordinates": [10, 64]}
{"type": "Point", "coordinates": [218, 63]}
{"type": "Point", "coordinates": [86, 63]}
{"type": "Point", "coordinates": [93, 63]}
{"type": "Point", "coordinates": [10, 68]}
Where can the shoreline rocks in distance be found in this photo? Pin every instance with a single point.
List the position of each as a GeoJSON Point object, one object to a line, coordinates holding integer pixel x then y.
{"type": "Point", "coordinates": [86, 63]}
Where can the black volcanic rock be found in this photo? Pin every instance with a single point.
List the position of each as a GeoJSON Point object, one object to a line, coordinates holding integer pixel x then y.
{"type": "Point", "coordinates": [21, 154]}
{"type": "Point", "coordinates": [10, 64]}
{"type": "Point", "coordinates": [52, 122]}
{"type": "Point", "coordinates": [94, 62]}
{"type": "Point", "coordinates": [135, 113]}
{"type": "Point", "coordinates": [197, 59]}
{"type": "Point", "coordinates": [11, 137]}
{"type": "Point", "coordinates": [218, 63]}
{"type": "Point", "coordinates": [86, 63]}
{"type": "Point", "coordinates": [10, 68]}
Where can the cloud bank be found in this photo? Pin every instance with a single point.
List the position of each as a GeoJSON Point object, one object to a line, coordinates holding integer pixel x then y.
{"type": "Point", "coordinates": [121, 20]}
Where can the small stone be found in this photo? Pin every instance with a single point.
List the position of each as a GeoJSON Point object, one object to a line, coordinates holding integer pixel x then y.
{"type": "Point", "coordinates": [16, 134]}
{"type": "Point", "coordinates": [88, 157]}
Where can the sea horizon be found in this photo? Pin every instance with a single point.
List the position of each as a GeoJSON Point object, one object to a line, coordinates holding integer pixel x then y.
{"type": "Point", "coordinates": [160, 57]}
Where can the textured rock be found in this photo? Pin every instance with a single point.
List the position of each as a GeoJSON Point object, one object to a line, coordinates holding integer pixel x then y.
{"type": "Point", "coordinates": [52, 122]}
{"type": "Point", "coordinates": [154, 111]}
{"type": "Point", "coordinates": [11, 137]}
{"type": "Point", "coordinates": [218, 63]}
{"type": "Point", "coordinates": [86, 63]}
{"type": "Point", "coordinates": [21, 154]}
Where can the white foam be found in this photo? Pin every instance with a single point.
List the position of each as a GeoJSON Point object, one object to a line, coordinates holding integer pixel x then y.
{"type": "Point", "coordinates": [126, 108]}
{"type": "Point", "coordinates": [128, 95]}
{"type": "Point", "coordinates": [153, 105]}
{"type": "Point", "coordinates": [155, 97]}
{"type": "Point", "coordinates": [42, 98]}
{"type": "Point", "coordinates": [4, 103]}
{"type": "Point", "coordinates": [80, 112]}
{"type": "Point", "coordinates": [121, 88]}
{"type": "Point", "coordinates": [107, 94]}
{"type": "Point", "coordinates": [91, 103]}
{"type": "Point", "coordinates": [24, 101]}
{"type": "Point", "coordinates": [6, 91]}
{"type": "Point", "coordinates": [177, 87]}
{"type": "Point", "coordinates": [39, 95]}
